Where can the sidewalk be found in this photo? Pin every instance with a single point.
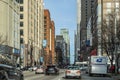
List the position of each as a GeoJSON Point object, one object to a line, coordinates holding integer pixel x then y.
{"type": "Point", "coordinates": [116, 76]}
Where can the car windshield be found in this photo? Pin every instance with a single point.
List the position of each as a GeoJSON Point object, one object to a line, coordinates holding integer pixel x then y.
{"type": "Point", "coordinates": [73, 67]}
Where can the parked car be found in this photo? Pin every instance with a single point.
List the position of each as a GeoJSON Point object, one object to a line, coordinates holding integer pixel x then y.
{"type": "Point", "coordinates": [39, 69]}
{"type": "Point", "coordinates": [51, 69]}
{"type": "Point", "coordinates": [12, 72]}
{"type": "Point", "coordinates": [34, 68]}
{"type": "Point", "coordinates": [3, 75]}
{"type": "Point", "coordinates": [84, 69]}
{"type": "Point", "coordinates": [30, 68]}
{"type": "Point", "coordinates": [73, 71]}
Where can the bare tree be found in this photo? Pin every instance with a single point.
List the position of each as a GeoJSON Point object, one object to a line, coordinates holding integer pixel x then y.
{"type": "Point", "coordinates": [108, 36]}
{"type": "Point", "coordinates": [118, 29]}
{"type": "Point", "coordinates": [118, 37]}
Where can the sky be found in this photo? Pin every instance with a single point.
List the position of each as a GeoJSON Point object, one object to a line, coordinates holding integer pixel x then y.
{"type": "Point", "coordinates": [63, 13]}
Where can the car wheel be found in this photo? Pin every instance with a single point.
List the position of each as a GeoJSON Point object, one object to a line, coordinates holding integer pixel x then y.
{"type": "Point", "coordinates": [79, 77]}
{"type": "Point", "coordinates": [46, 74]}
{"type": "Point", "coordinates": [66, 76]}
{"type": "Point", "coordinates": [90, 74]}
{"type": "Point", "coordinates": [21, 78]}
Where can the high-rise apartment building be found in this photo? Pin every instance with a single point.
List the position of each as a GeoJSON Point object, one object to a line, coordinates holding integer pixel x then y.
{"type": "Point", "coordinates": [49, 36]}
{"type": "Point", "coordinates": [77, 32]}
{"type": "Point", "coordinates": [31, 31]}
{"type": "Point", "coordinates": [86, 11]}
{"type": "Point", "coordinates": [9, 28]}
{"type": "Point", "coordinates": [85, 15]}
{"type": "Point", "coordinates": [61, 51]}
{"type": "Point", "coordinates": [107, 7]}
{"type": "Point", "coordinates": [65, 33]}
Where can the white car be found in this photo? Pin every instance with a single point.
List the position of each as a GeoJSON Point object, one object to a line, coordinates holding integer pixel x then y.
{"type": "Point", "coordinates": [39, 70]}
{"type": "Point", "coordinates": [30, 69]}
{"type": "Point", "coordinates": [34, 68]}
{"type": "Point", "coordinates": [73, 71]}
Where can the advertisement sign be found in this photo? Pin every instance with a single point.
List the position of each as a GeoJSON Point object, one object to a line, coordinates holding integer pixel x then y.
{"type": "Point", "coordinates": [87, 42]}
{"type": "Point", "coordinates": [16, 51]}
{"type": "Point", "coordinates": [41, 59]}
{"type": "Point", "coordinates": [44, 43]}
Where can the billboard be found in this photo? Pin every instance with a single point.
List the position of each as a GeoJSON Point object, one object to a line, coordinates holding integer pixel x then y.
{"type": "Point", "coordinates": [44, 43]}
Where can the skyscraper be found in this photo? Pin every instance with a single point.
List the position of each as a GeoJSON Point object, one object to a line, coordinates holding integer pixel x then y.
{"type": "Point", "coordinates": [49, 36]}
{"type": "Point", "coordinates": [31, 30]}
{"type": "Point", "coordinates": [88, 11]}
{"type": "Point", "coordinates": [65, 34]}
{"type": "Point", "coordinates": [9, 28]}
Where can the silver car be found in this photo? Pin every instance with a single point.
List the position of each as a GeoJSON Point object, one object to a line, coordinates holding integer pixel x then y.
{"type": "Point", "coordinates": [73, 71]}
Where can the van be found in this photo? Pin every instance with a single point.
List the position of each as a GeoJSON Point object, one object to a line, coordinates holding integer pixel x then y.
{"type": "Point", "coordinates": [97, 65]}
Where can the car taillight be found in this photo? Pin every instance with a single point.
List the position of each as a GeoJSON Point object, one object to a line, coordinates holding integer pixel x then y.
{"type": "Point", "coordinates": [67, 71]}
{"type": "Point", "coordinates": [78, 72]}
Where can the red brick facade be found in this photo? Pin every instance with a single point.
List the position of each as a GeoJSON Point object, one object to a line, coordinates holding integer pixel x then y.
{"type": "Point", "coordinates": [49, 35]}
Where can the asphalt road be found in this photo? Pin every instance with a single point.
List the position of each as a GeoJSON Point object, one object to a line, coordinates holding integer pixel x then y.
{"type": "Point", "coordinates": [28, 75]}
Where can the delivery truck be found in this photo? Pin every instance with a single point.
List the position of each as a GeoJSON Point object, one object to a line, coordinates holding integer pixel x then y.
{"type": "Point", "coordinates": [97, 65]}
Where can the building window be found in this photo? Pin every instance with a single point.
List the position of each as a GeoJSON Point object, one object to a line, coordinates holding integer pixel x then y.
{"type": "Point", "coordinates": [17, 1]}
{"type": "Point", "coordinates": [21, 32]}
{"type": "Point", "coordinates": [21, 16]}
{"type": "Point", "coordinates": [45, 22]}
{"type": "Point", "coordinates": [21, 24]}
{"type": "Point", "coordinates": [21, 8]}
{"type": "Point", "coordinates": [45, 25]}
{"type": "Point", "coordinates": [45, 38]}
{"type": "Point", "coordinates": [21, 1]}
{"type": "Point", "coordinates": [45, 34]}
{"type": "Point", "coordinates": [21, 40]}
{"type": "Point", "coordinates": [108, 5]}
{"type": "Point", "coordinates": [45, 17]}
{"type": "Point", "coordinates": [45, 30]}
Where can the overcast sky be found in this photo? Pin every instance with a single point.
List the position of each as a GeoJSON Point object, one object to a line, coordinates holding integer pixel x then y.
{"type": "Point", "coordinates": [63, 13]}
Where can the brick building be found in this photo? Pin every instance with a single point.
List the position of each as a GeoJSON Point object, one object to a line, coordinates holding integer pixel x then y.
{"type": "Point", "coordinates": [49, 36]}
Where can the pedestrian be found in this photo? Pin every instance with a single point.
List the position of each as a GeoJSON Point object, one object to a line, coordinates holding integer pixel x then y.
{"type": "Point", "coordinates": [112, 69]}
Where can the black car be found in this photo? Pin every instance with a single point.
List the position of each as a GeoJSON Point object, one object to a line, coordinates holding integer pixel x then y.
{"type": "Point", "coordinates": [12, 72]}
{"type": "Point", "coordinates": [51, 69]}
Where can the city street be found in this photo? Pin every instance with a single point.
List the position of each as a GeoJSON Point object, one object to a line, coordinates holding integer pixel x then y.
{"type": "Point", "coordinates": [28, 75]}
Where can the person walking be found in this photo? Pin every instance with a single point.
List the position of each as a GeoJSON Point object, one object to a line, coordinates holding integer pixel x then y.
{"type": "Point", "coordinates": [112, 69]}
